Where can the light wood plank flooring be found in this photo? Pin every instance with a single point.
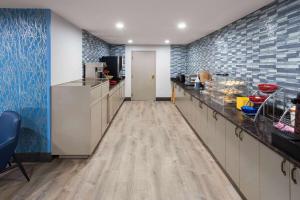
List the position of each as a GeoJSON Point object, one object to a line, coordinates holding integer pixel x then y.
{"type": "Point", "coordinates": [149, 152]}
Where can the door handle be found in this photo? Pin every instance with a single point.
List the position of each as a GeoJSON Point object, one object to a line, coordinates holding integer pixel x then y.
{"type": "Point", "coordinates": [282, 167]}
{"type": "Point", "coordinates": [153, 76]}
{"type": "Point", "coordinates": [293, 175]}
{"type": "Point", "coordinates": [241, 136]}
{"type": "Point", "coordinates": [235, 132]}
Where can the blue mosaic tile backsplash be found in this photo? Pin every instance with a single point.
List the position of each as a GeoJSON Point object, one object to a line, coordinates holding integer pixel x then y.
{"type": "Point", "coordinates": [93, 47]}
{"type": "Point", "coordinates": [178, 60]}
{"type": "Point", "coordinates": [263, 46]}
{"type": "Point", "coordinates": [25, 73]}
{"type": "Point", "coordinates": [117, 50]}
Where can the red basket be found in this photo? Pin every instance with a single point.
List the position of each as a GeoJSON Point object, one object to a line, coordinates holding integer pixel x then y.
{"type": "Point", "coordinates": [258, 99]}
{"type": "Point", "coordinates": [267, 88]}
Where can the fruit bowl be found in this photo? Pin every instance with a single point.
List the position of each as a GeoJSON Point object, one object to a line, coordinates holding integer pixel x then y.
{"type": "Point", "coordinates": [267, 88]}
{"type": "Point", "coordinates": [258, 99]}
{"type": "Point", "coordinates": [248, 110]}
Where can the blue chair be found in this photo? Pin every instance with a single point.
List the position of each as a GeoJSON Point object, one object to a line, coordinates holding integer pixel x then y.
{"type": "Point", "coordinates": [10, 124]}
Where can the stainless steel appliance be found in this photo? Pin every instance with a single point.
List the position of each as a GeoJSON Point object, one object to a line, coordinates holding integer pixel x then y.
{"type": "Point", "coordinates": [114, 65]}
{"type": "Point", "coordinates": [93, 70]}
{"type": "Point", "coordinates": [190, 80]}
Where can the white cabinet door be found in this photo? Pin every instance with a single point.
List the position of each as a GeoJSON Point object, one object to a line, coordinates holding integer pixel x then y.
{"type": "Point", "coordinates": [232, 153]}
{"type": "Point", "coordinates": [210, 130]}
{"type": "Point", "coordinates": [274, 184]}
{"type": "Point", "coordinates": [249, 166]}
{"type": "Point", "coordinates": [295, 183]}
{"type": "Point", "coordinates": [104, 113]}
{"type": "Point", "coordinates": [203, 122]}
{"type": "Point", "coordinates": [95, 124]}
{"type": "Point", "coordinates": [219, 139]}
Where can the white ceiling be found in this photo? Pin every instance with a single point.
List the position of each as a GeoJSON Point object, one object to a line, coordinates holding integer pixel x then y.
{"type": "Point", "coordinates": [146, 22]}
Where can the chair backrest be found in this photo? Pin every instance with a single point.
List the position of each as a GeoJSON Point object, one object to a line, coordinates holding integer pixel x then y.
{"type": "Point", "coordinates": [10, 124]}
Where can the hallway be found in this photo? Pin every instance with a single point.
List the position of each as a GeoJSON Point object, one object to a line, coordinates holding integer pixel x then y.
{"type": "Point", "coordinates": [149, 152]}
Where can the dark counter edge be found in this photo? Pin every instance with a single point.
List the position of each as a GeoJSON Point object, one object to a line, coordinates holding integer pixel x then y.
{"type": "Point", "coordinates": [247, 125]}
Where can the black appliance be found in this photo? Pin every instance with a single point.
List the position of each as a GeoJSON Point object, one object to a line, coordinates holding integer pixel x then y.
{"type": "Point", "coordinates": [114, 65]}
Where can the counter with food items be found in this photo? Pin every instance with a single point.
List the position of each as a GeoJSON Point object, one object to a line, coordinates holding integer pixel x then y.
{"type": "Point", "coordinates": [262, 130]}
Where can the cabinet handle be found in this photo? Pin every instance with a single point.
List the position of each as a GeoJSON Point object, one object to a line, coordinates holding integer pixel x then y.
{"type": "Point", "coordinates": [282, 167]}
{"type": "Point", "coordinates": [235, 132]}
{"type": "Point", "coordinates": [293, 175]}
{"type": "Point", "coordinates": [200, 104]}
{"type": "Point", "coordinates": [241, 136]}
{"type": "Point", "coordinates": [216, 118]}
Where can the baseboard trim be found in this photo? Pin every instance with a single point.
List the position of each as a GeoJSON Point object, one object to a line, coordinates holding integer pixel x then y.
{"type": "Point", "coordinates": [163, 98]}
{"type": "Point", "coordinates": [127, 99]}
{"type": "Point", "coordinates": [34, 157]}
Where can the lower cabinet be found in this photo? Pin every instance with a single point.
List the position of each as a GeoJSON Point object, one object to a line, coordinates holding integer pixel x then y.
{"type": "Point", "coordinates": [219, 139]}
{"type": "Point", "coordinates": [249, 166]}
{"type": "Point", "coordinates": [258, 172]}
{"type": "Point", "coordinates": [274, 175]}
{"type": "Point", "coordinates": [295, 182]}
{"type": "Point", "coordinates": [104, 114]}
{"type": "Point", "coordinates": [232, 165]}
{"type": "Point", "coordinates": [210, 130]}
{"type": "Point", "coordinates": [95, 124]}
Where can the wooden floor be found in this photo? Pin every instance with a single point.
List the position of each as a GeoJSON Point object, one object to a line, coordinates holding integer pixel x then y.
{"type": "Point", "coordinates": [149, 152]}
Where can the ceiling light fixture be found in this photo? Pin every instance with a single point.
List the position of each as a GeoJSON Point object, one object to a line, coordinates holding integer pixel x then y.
{"type": "Point", "coordinates": [130, 41]}
{"type": "Point", "coordinates": [119, 25]}
{"type": "Point", "coordinates": [181, 25]}
{"type": "Point", "coordinates": [167, 41]}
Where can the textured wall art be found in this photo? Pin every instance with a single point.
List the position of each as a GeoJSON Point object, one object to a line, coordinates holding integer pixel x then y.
{"type": "Point", "coordinates": [263, 46]}
{"type": "Point", "coordinates": [93, 47]}
{"type": "Point", "coordinates": [25, 73]}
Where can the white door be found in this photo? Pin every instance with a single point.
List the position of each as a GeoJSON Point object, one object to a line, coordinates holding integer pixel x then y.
{"type": "Point", "coordinates": [274, 175]}
{"type": "Point", "coordinates": [143, 66]}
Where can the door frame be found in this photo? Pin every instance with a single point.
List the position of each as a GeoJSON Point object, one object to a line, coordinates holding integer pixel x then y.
{"type": "Point", "coordinates": [154, 51]}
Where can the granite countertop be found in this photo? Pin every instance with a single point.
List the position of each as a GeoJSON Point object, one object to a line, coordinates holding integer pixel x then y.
{"type": "Point", "coordinates": [85, 82]}
{"type": "Point", "coordinates": [261, 130]}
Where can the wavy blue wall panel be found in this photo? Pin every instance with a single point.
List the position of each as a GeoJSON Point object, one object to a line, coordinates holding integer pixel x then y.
{"type": "Point", "coordinates": [25, 73]}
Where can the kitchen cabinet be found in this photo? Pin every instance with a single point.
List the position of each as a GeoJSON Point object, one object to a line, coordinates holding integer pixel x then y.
{"type": "Point", "coordinates": [104, 113]}
{"type": "Point", "coordinates": [210, 131]}
{"type": "Point", "coordinates": [219, 139]}
{"type": "Point", "coordinates": [203, 121]}
{"type": "Point", "coordinates": [249, 166]}
{"type": "Point", "coordinates": [76, 115]}
{"type": "Point", "coordinates": [96, 133]}
{"type": "Point", "coordinates": [295, 182]}
{"type": "Point", "coordinates": [232, 165]}
{"type": "Point", "coordinates": [274, 175]}
{"type": "Point", "coordinates": [115, 99]}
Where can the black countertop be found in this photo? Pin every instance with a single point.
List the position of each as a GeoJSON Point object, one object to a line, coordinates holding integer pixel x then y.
{"type": "Point", "coordinates": [261, 130]}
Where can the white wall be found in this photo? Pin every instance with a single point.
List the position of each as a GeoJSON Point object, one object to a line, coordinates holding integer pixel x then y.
{"type": "Point", "coordinates": [66, 51]}
{"type": "Point", "coordinates": [163, 59]}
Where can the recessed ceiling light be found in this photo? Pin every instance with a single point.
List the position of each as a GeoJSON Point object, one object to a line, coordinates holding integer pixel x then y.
{"type": "Point", "coordinates": [181, 25]}
{"type": "Point", "coordinates": [119, 25]}
{"type": "Point", "coordinates": [130, 41]}
{"type": "Point", "coordinates": [167, 41]}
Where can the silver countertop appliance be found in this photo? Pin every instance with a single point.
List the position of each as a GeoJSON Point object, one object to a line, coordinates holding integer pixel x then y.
{"type": "Point", "coordinates": [190, 80]}
{"type": "Point", "coordinates": [94, 70]}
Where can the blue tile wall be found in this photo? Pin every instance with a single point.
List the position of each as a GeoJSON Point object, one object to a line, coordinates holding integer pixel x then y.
{"type": "Point", "coordinates": [178, 60]}
{"type": "Point", "coordinates": [25, 73]}
{"type": "Point", "coordinates": [117, 50]}
{"type": "Point", "coordinates": [93, 47]}
{"type": "Point", "coordinates": [263, 46]}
